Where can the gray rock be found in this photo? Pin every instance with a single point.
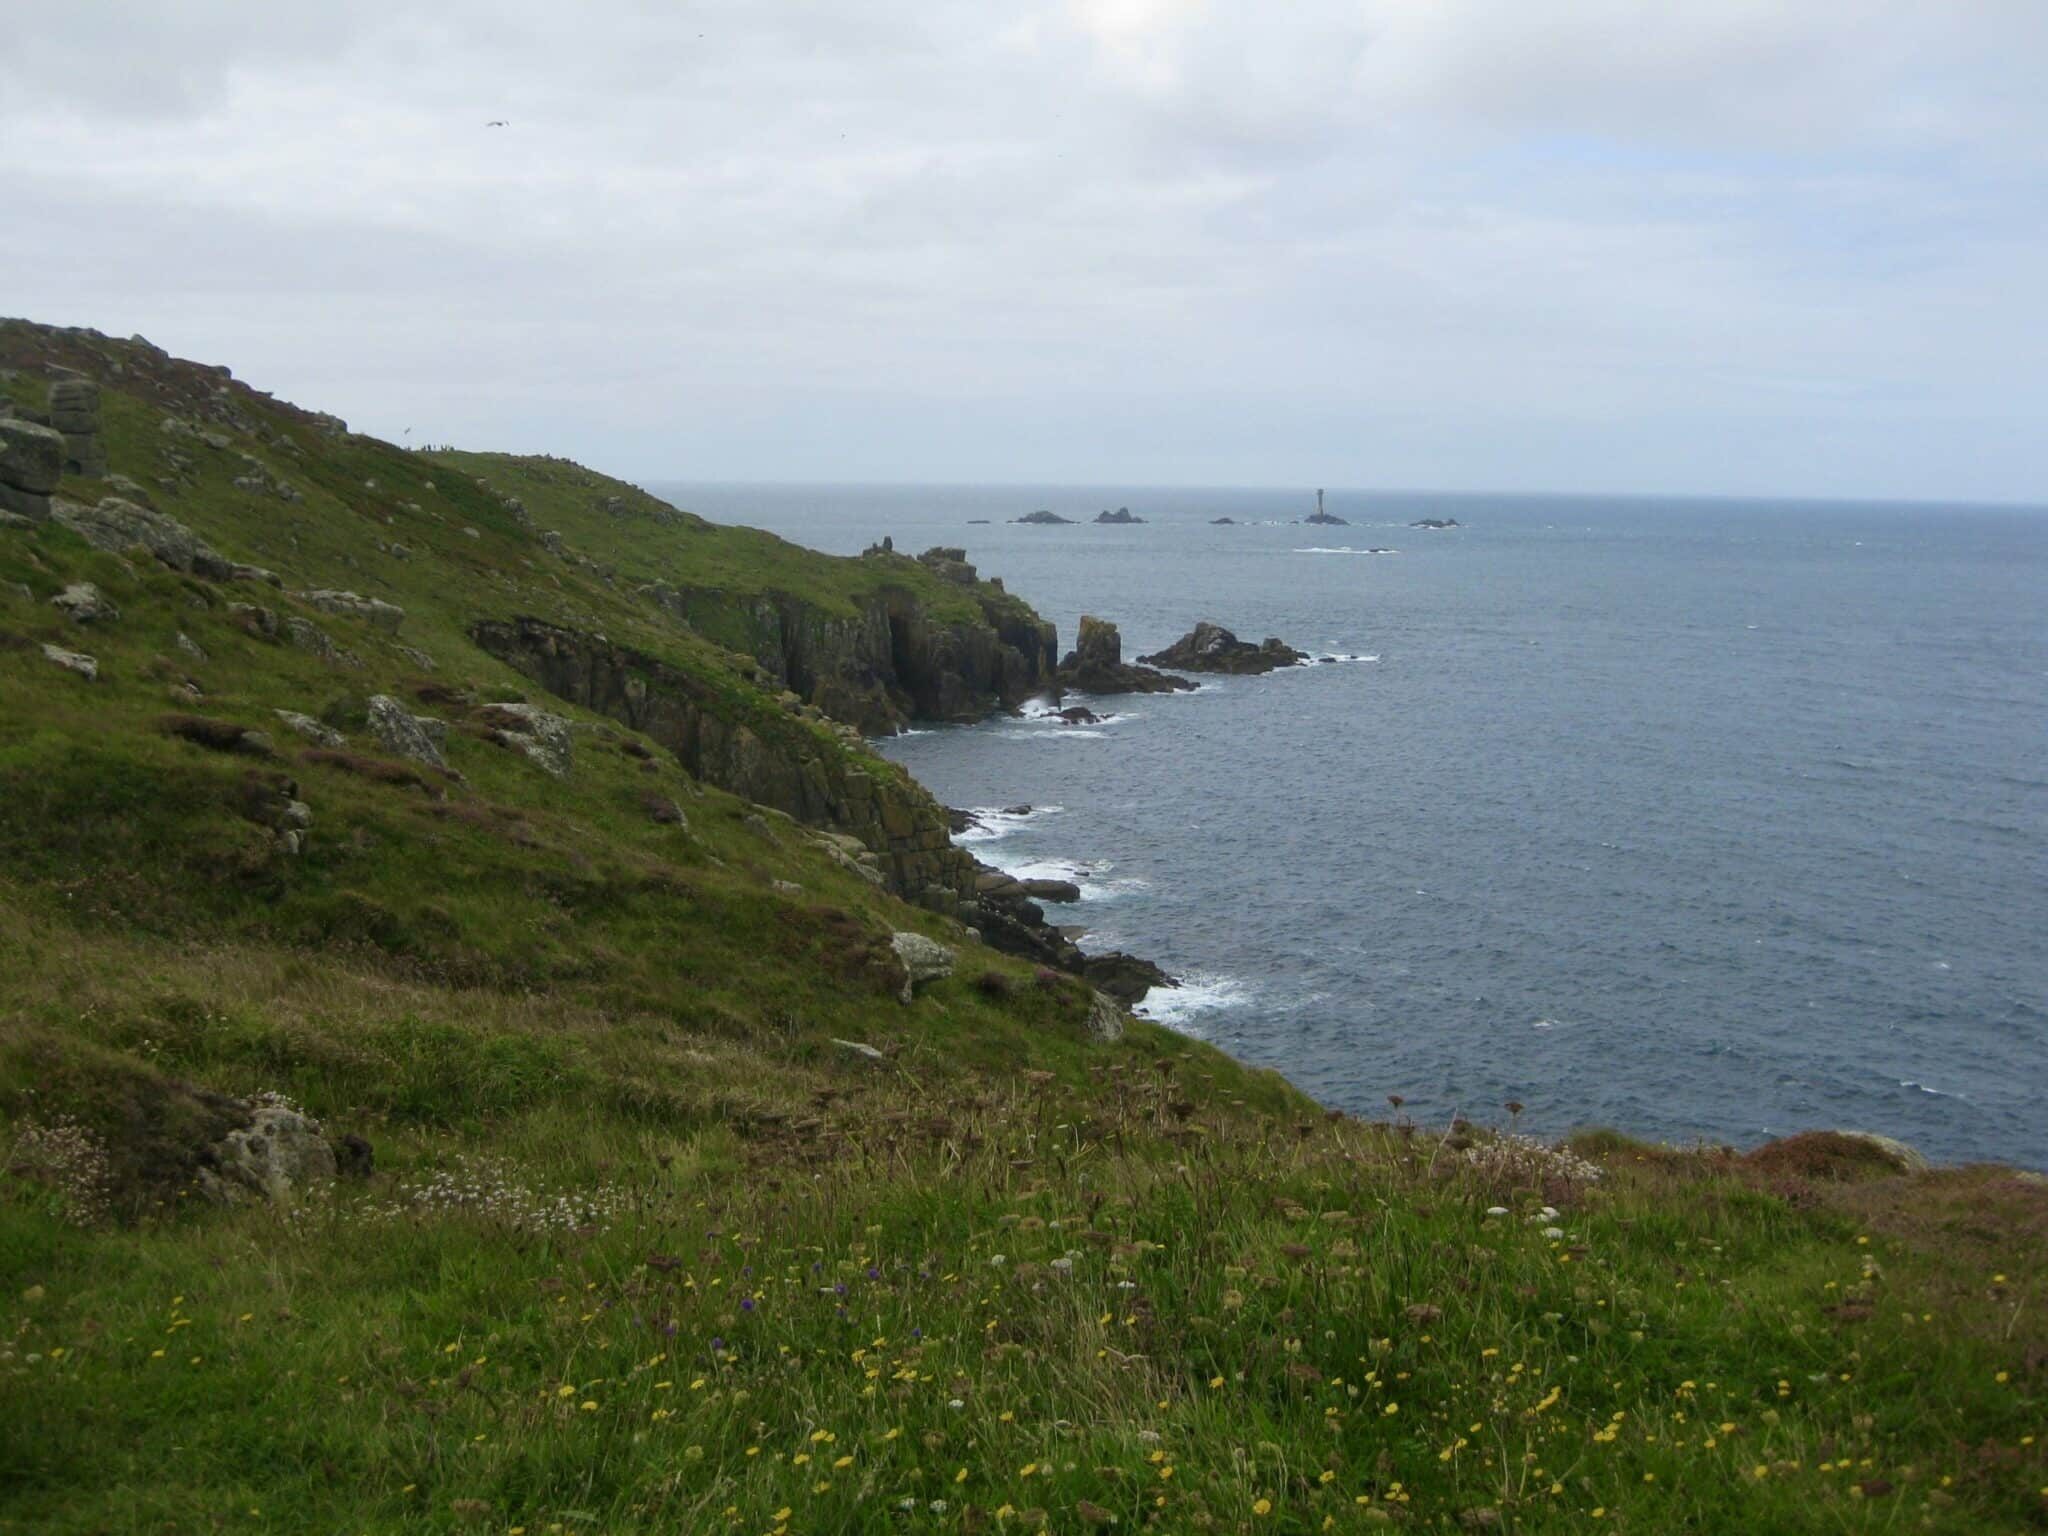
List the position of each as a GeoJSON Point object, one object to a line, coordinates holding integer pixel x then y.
{"type": "Point", "coordinates": [190, 647]}
{"type": "Point", "coordinates": [115, 525]}
{"type": "Point", "coordinates": [923, 960]}
{"type": "Point", "coordinates": [311, 729]}
{"type": "Point", "coordinates": [551, 541]}
{"type": "Point", "coordinates": [257, 621]}
{"type": "Point", "coordinates": [786, 887]}
{"type": "Point", "coordinates": [84, 603]}
{"type": "Point", "coordinates": [399, 731]}
{"type": "Point", "coordinates": [371, 610]}
{"type": "Point", "coordinates": [85, 666]}
{"type": "Point", "coordinates": [276, 1156]}
{"type": "Point", "coordinates": [305, 635]}
{"type": "Point", "coordinates": [543, 737]}
{"type": "Point", "coordinates": [22, 509]}
{"type": "Point", "coordinates": [31, 457]}
{"type": "Point", "coordinates": [81, 395]}
{"type": "Point", "coordinates": [419, 659]}
{"type": "Point", "coordinates": [859, 1048]}
{"type": "Point", "coordinates": [130, 490]}
{"type": "Point", "coordinates": [1105, 1018]}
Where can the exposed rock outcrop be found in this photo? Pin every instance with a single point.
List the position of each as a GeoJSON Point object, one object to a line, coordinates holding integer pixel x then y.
{"type": "Point", "coordinates": [116, 524]}
{"type": "Point", "coordinates": [1121, 517]}
{"type": "Point", "coordinates": [371, 610]}
{"type": "Point", "coordinates": [75, 412]}
{"type": "Point", "coordinates": [1097, 665]}
{"type": "Point", "coordinates": [1212, 648]}
{"type": "Point", "coordinates": [402, 733]}
{"type": "Point", "coordinates": [71, 661]}
{"type": "Point", "coordinates": [31, 463]}
{"type": "Point", "coordinates": [543, 738]}
{"type": "Point", "coordinates": [320, 735]}
{"type": "Point", "coordinates": [1437, 523]}
{"type": "Point", "coordinates": [278, 1155]}
{"type": "Point", "coordinates": [924, 960]}
{"type": "Point", "coordinates": [1044, 518]}
{"type": "Point", "coordinates": [84, 603]}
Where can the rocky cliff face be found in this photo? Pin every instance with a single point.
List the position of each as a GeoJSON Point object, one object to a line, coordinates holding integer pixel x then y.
{"type": "Point", "coordinates": [893, 660]}
{"type": "Point", "coordinates": [783, 765]}
{"type": "Point", "coordinates": [804, 778]}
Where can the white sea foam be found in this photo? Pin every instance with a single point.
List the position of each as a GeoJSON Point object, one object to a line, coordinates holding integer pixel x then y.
{"type": "Point", "coordinates": [1197, 995]}
{"type": "Point", "coordinates": [1907, 1082]}
{"type": "Point", "coordinates": [1331, 659]}
{"type": "Point", "coordinates": [995, 821]}
{"type": "Point", "coordinates": [1343, 549]}
{"type": "Point", "coordinates": [1091, 875]}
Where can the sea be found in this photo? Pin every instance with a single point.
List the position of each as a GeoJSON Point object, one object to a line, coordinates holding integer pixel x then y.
{"type": "Point", "coordinates": [1701, 820]}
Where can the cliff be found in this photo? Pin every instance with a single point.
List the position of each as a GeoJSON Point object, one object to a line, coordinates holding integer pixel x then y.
{"type": "Point", "coordinates": [876, 642]}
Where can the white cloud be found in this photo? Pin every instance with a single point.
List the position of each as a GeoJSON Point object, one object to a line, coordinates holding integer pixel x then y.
{"type": "Point", "coordinates": [1455, 240]}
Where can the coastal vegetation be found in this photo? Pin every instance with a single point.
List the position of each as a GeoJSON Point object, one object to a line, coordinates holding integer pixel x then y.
{"type": "Point", "coordinates": [457, 812]}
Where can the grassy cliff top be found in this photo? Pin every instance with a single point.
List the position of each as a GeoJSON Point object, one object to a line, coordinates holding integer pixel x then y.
{"type": "Point", "coordinates": [680, 1219]}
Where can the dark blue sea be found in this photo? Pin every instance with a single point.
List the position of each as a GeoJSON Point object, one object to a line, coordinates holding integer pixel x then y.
{"type": "Point", "coordinates": [1691, 818]}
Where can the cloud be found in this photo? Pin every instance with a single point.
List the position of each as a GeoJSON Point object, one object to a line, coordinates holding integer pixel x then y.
{"type": "Point", "coordinates": [1450, 241]}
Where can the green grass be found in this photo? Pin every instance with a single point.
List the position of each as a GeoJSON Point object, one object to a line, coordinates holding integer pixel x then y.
{"type": "Point", "coordinates": [622, 1159]}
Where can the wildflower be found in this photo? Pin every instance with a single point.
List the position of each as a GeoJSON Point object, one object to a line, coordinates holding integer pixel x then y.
{"type": "Point", "coordinates": [1262, 1507]}
{"type": "Point", "coordinates": [960, 1476]}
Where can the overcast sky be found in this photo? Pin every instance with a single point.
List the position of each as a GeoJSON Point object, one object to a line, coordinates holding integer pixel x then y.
{"type": "Point", "coordinates": [1714, 246]}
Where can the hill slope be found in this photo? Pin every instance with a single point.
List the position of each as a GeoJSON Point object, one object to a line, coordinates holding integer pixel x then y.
{"type": "Point", "coordinates": [562, 919]}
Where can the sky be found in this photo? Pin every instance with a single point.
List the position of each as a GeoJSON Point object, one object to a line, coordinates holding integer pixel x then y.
{"type": "Point", "coordinates": [1717, 247]}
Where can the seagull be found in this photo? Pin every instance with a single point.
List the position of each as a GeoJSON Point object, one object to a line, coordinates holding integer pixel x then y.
{"type": "Point", "coordinates": [497, 122]}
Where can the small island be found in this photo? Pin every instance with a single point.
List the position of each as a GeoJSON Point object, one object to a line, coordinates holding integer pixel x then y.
{"type": "Point", "coordinates": [1437, 522]}
{"type": "Point", "coordinates": [1325, 519]}
{"type": "Point", "coordinates": [1222, 522]}
{"type": "Point", "coordinates": [1044, 518]}
{"type": "Point", "coordinates": [1120, 515]}
{"type": "Point", "coordinates": [1210, 647]}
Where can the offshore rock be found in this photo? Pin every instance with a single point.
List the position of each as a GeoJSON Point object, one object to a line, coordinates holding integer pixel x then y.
{"type": "Point", "coordinates": [1096, 664]}
{"type": "Point", "coordinates": [1212, 648]}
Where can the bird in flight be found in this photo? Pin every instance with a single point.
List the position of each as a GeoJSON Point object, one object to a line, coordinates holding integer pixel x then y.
{"type": "Point", "coordinates": [497, 122]}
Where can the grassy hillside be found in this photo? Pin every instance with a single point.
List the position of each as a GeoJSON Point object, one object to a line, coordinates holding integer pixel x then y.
{"type": "Point", "coordinates": [651, 1243]}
